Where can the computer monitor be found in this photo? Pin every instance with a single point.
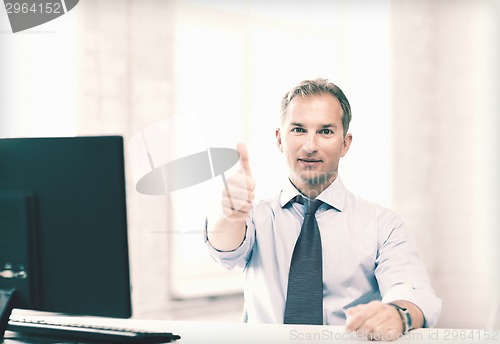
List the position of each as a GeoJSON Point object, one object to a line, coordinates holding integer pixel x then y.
{"type": "Point", "coordinates": [63, 225]}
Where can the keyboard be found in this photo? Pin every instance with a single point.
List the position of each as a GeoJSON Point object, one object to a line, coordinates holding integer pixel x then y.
{"type": "Point", "coordinates": [87, 333]}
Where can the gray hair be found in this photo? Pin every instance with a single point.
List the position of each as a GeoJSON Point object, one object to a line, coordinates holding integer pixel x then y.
{"type": "Point", "coordinates": [318, 87]}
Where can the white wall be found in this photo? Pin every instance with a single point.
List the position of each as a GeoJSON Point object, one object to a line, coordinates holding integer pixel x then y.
{"type": "Point", "coordinates": [444, 110]}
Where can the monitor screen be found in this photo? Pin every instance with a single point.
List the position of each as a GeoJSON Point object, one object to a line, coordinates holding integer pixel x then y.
{"type": "Point", "coordinates": [63, 225]}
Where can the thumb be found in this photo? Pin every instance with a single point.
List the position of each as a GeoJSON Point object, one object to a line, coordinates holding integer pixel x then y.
{"type": "Point", "coordinates": [244, 164]}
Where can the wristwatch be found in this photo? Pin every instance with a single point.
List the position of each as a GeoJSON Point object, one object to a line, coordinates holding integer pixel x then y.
{"type": "Point", "coordinates": [405, 316]}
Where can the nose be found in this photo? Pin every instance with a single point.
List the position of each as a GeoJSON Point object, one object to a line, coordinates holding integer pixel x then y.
{"type": "Point", "coordinates": [310, 145]}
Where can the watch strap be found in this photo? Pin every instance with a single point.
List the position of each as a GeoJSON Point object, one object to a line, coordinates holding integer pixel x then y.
{"type": "Point", "coordinates": [405, 317]}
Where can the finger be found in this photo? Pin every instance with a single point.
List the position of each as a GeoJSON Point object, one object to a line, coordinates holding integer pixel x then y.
{"type": "Point", "coordinates": [239, 195]}
{"type": "Point", "coordinates": [374, 324]}
{"type": "Point", "coordinates": [380, 323]}
{"type": "Point", "coordinates": [383, 332]}
{"type": "Point", "coordinates": [236, 217]}
{"type": "Point", "coordinates": [236, 198]}
{"type": "Point", "coordinates": [242, 210]}
{"type": "Point", "coordinates": [356, 316]}
{"type": "Point", "coordinates": [240, 181]}
{"type": "Point", "coordinates": [244, 163]}
{"type": "Point", "coordinates": [236, 204]}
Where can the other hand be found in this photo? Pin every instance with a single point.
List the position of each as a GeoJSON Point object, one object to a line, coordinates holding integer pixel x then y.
{"type": "Point", "coordinates": [376, 320]}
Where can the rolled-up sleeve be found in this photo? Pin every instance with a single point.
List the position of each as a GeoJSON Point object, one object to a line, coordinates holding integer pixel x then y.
{"type": "Point", "coordinates": [399, 271]}
{"type": "Point", "coordinates": [237, 257]}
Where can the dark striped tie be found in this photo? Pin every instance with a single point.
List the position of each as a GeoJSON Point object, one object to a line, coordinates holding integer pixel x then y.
{"type": "Point", "coordinates": [304, 301]}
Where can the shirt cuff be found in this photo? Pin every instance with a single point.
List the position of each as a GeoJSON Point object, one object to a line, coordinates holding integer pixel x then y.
{"type": "Point", "coordinates": [429, 304]}
{"type": "Point", "coordinates": [236, 257]}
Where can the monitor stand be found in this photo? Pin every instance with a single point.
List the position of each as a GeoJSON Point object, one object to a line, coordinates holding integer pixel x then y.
{"type": "Point", "coordinates": [6, 306]}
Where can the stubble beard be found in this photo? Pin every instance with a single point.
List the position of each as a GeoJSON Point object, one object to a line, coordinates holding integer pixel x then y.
{"type": "Point", "coordinates": [316, 183]}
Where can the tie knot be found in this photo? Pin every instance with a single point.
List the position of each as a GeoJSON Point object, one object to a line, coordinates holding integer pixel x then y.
{"type": "Point", "coordinates": [310, 205]}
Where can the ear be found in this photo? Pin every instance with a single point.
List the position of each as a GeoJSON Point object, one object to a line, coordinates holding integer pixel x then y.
{"type": "Point", "coordinates": [347, 144]}
{"type": "Point", "coordinates": [278, 140]}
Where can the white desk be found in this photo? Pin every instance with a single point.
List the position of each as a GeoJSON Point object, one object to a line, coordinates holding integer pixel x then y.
{"type": "Point", "coordinates": [238, 333]}
{"type": "Point", "coordinates": [192, 332]}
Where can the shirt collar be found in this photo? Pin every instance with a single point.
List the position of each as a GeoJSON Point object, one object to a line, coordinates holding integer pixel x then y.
{"type": "Point", "coordinates": [335, 195]}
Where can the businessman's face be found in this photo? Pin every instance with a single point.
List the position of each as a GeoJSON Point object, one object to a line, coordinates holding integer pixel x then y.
{"type": "Point", "coordinates": [311, 137]}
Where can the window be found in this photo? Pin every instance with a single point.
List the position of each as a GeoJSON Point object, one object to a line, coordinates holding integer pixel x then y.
{"type": "Point", "coordinates": [234, 61]}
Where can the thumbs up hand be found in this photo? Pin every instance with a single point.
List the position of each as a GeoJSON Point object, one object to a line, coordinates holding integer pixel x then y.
{"type": "Point", "coordinates": [239, 189]}
{"type": "Point", "coordinates": [226, 231]}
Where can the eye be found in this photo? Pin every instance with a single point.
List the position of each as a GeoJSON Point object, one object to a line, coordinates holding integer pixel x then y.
{"type": "Point", "coordinates": [326, 131]}
{"type": "Point", "coordinates": [298, 130]}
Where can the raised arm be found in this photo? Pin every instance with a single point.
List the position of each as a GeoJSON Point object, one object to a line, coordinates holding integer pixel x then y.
{"type": "Point", "coordinates": [226, 230]}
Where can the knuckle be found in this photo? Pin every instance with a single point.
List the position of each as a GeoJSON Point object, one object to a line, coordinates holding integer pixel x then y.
{"type": "Point", "coordinates": [250, 196]}
{"type": "Point", "coordinates": [376, 303]}
{"type": "Point", "coordinates": [369, 326]}
{"type": "Point", "coordinates": [245, 208]}
{"type": "Point", "coordinates": [250, 184]}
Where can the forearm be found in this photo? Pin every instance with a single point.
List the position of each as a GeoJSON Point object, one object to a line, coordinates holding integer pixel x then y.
{"type": "Point", "coordinates": [401, 275]}
{"type": "Point", "coordinates": [226, 235]}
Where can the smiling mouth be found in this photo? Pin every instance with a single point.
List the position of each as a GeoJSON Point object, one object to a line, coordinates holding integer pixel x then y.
{"type": "Point", "coordinates": [309, 161]}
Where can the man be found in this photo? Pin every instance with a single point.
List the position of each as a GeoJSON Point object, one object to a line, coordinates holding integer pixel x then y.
{"type": "Point", "coordinates": [372, 279]}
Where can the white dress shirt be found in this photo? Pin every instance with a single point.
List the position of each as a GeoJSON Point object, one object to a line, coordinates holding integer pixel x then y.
{"type": "Point", "coordinates": [368, 254]}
